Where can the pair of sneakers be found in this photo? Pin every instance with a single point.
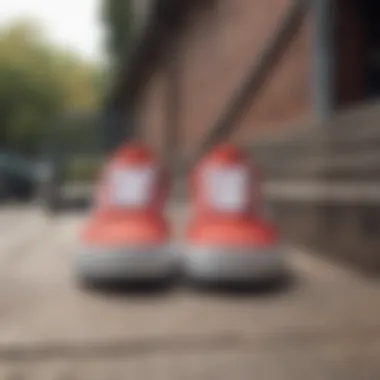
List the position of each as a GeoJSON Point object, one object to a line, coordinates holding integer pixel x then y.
{"type": "Point", "coordinates": [213, 250]}
{"type": "Point", "coordinates": [128, 236]}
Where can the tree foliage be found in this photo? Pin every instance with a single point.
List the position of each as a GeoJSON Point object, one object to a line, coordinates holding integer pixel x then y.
{"type": "Point", "coordinates": [117, 16]}
{"type": "Point", "coordinates": [37, 83]}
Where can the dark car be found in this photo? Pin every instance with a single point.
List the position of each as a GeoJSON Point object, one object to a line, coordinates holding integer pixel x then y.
{"type": "Point", "coordinates": [17, 177]}
{"type": "Point", "coordinates": [71, 154]}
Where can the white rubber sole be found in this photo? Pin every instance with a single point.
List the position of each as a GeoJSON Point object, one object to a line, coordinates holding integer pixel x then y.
{"type": "Point", "coordinates": [124, 264]}
{"type": "Point", "coordinates": [230, 264]}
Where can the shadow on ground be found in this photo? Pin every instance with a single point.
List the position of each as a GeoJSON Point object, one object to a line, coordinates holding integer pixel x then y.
{"type": "Point", "coordinates": [138, 289]}
{"type": "Point", "coordinates": [156, 288]}
{"type": "Point", "coordinates": [265, 288]}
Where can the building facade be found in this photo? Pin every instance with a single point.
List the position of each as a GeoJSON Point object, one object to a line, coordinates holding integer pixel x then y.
{"type": "Point", "coordinates": [201, 56]}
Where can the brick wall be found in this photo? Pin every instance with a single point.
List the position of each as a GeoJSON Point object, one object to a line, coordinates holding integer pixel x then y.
{"type": "Point", "coordinates": [287, 98]}
{"type": "Point", "coordinates": [217, 50]}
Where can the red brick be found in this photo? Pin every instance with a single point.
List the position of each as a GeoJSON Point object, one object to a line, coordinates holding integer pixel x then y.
{"type": "Point", "coordinates": [217, 50]}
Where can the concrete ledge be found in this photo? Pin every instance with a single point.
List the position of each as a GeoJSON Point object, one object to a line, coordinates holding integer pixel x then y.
{"type": "Point", "coordinates": [324, 184]}
{"type": "Point", "coordinates": [319, 192]}
{"type": "Point", "coordinates": [349, 233]}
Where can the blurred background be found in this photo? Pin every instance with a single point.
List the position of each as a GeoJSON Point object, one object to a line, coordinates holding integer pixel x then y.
{"type": "Point", "coordinates": [55, 68]}
{"type": "Point", "coordinates": [78, 80]}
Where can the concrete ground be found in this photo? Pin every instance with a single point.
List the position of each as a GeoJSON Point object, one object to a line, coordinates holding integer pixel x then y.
{"type": "Point", "coordinates": [326, 326]}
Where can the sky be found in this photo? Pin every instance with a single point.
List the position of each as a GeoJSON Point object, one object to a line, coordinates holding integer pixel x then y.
{"type": "Point", "coordinates": [72, 24]}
